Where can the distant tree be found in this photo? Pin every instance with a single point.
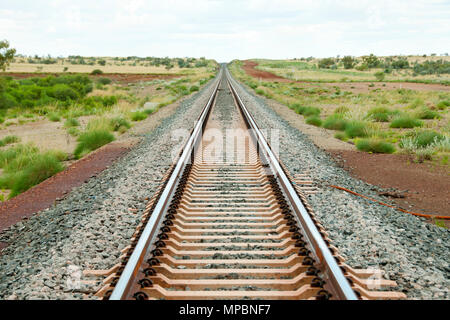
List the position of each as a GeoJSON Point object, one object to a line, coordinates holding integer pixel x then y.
{"type": "Point", "coordinates": [102, 62]}
{"type": "Point", "coordinates": [326, 63]}
{"type": "Point", "coordinates": [6, 54]}
{"type": "Point", "coordinates": [371, 61]}
{"type": "Point", "coordinates": [349, 62]}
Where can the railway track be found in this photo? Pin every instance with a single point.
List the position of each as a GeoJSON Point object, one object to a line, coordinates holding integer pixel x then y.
{"type": "Point", "coordinates": [229, 222]}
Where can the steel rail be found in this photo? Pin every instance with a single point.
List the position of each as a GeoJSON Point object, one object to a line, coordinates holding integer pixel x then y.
{"type": "Point", "coordinates": [149, 233]}
{"type": "Point", "coordinates": [320, 249]}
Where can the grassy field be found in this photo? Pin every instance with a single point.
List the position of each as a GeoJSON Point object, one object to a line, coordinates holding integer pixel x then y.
{"type": "Point", "coordinates": [377, 120]}
{"type": "Point", "coordinates": [45, 121]}
{"type": "Point", "coordinates": [129, 65]}
{"type": "Point", "coordinates": [333, 70]}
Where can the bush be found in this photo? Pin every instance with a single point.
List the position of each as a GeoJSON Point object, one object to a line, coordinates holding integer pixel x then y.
{"type": "Point", "coordinates": [194, 88]}
{"type": "Point", "coordinates": [307, 111]}
{"type": "Point", "coordinates": [405, 122]}
{"type": "Point", "coordinates": [8, 140]}
{"type": "Point", "coordinates": [42, 167]}
{"type": "Point", "coordinates": [96, 72]}
{"type": "Point", "coordinates": [119, 122]}
{"type": "Point", "coordinates": [349, 62]}
{"type": "Point", "coordinates": [355, 129]}
{"type": "Point", "coordinates": [314, 120]}
{"type": "Point", "coordinates": [54, 117]}
{"type": "Point", "coordinates": [326, 63]}
{"type": "Point", "coordinates": [71, 122]}
{"type": "Point", "coordinates": [442, 105]}
{"type": "Point", "coordinates": [335, 122]}
{"type": "Point", "coordinates": [379, 114]}
{"type": "Point", "coordinates": [426, 113]}
{"type": "Point", "coordinates": [138, 116]}
{"type": "Point", "coordinates": [62, 92]}
{"type": "Point", "coordinates": [8, 155]}
{"type": "Point", "coordinates": [379, 75]}
{"type": "Point", "coordinates": [375, 146]}
{"type": "Point", "coordinates": [92, 140]}
{"type": "Point", "coordinates": [423, 139]}
{"type": "Point", "coordinates": [104, 81]}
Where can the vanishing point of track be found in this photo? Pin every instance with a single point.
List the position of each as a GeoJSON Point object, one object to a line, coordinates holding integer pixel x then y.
{"type": "Point", "coordinates": [229, 222]}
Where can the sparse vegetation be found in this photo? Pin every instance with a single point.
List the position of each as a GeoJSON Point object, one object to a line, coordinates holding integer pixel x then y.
{"type": "Point", "coordinates": [92, 140]}
{"type": "Point", "coordinates": [24, 166]}
{"type": "Point", "coordinates": [138, 116]}
{"type": "Point", "coordinates": [405, 121]}
{"type": "Point", "coordinates": [375, 146]}
{"type": "Point", "coordinates": [314, 120]}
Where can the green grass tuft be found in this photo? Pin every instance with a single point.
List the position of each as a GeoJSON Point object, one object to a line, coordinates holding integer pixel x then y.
{"type": "Point", "coordinates": [335, 122]}
{"type": "Point", "coordinates": [119, 122]}
{"type": "Point", "coordinates": [355, 129]}
{"type": "Point", "coordinates": [54, 117]}
{"type": "Point", "coordinates": [8, 140]}
{"type": "Point", "coordinates": [138, 116]}
{"type": "Point", "coordinates": [314, 120]}
{"type": "Point", "coordinates": [375, 146]}
{"type": "Point", "coordinates": [405, 122]}
{"type": "Point", "coordinates": [425, 113]}
{"type": "Point", "coordinates": [92, 140]}
{"type": "Point", "coordinates": [42, 167]}
{"type": "Point", "coordinates": [71, 122]}
{"type": "Point", "coordinates": [442, 105]}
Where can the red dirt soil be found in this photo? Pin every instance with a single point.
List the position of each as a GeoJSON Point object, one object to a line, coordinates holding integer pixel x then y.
{"type": "Point", "coordinates": [428, 186]}
{"type": "Point", "coordinates": [44, 194]}
{"type": "Point", "coordinates": [249, 68]}
{"type": "Point", "coordinates": [362, 86]}
{"type": "Point", "coordinates": [118, 77]}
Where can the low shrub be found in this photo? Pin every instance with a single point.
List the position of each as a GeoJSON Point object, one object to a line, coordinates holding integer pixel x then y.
{"type": "Point", "coordinates": [341, 110]}
{"type": "Point", "coordinates": [92, 140]}
{"type": "Point", "coordinates": [314, 120]}
{"type": "Point", "coordinates": [8, 140]}
{"type": "Point", "coordinates": [421, 139]}
{"type": "Point", "coordinates": [307, 111]}
{"type": "Point", "coordinates": [73, 132]}
{"type": "Point", "coordinates": [379, 114]}
{"type": "Point", "coordinates": [71, 122]}
{"type": "Point", "coordinates": [138, 116]}
{"type": "Point", "coordinates": [194, 88]}
{"type": "Point", "coordinates": [375, 146]}
{"type": "Point", "coordinates": [119, 122]}
{"type": "Point", "coordinates": [405, 121]}
{"type": "Point", "coordinates": [355, 129]}
{"type": "Point", "coordinates": [442, 105]}
{"type": "Point", "coordinates": [42, 167]}
{"type": "Point", "coordinates": [8, 155]}
{"type": "Point", "coordinates": [96, 72]}
{"type": "Point", "coordinates": [335, 122]}
{"type": "Point", "coordinates": [104, 81]}
{"type": "Point", "coordinates": [54, 117]}
{"type": "Point", "coordinates": [426, 113]}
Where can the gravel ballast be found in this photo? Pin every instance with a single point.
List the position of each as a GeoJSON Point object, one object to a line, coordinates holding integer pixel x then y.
{"type": "Point", "coordinates": [47, 253]}
{"type": "Point", "coordinates": [412, 252]}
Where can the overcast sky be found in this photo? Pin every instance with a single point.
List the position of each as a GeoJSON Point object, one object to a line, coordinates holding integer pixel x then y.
{"type": "Point", "coordinates": [226, 30]}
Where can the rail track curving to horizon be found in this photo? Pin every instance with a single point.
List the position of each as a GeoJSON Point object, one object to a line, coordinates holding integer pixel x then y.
{"type": "Point", "coordinates": [233, 225]}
